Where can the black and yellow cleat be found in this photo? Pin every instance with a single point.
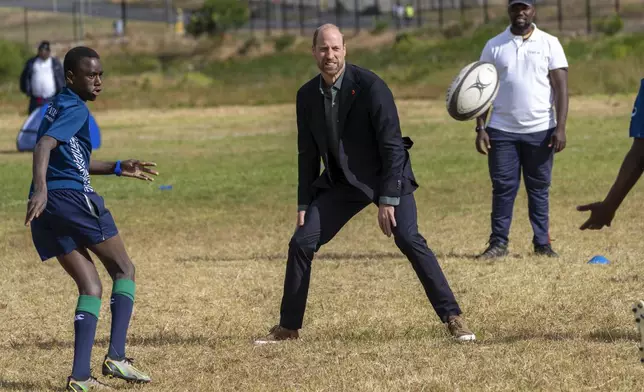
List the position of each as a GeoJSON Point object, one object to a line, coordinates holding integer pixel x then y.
{"type": "Point", "coordinates": [84, 386]}
{"type": "Point", "coordinates": [125, 370]}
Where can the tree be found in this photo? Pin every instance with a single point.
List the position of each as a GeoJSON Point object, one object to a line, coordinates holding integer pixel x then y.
{"type": "Point", "coordinates": [217, 16]}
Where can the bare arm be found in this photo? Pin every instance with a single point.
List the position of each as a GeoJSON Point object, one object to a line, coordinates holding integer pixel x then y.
{"type": "Point", "coordinates": [482, 119]}
{"type": "Point", "coordinates": [559, 80]}
{"type": "Point", "coordinates": [602, 213]}
{"type": "Point", "coordinates": [38, 200]}
{"type": "Point", "coordinates": [482, 139]}
{"type": "Point", "coordinates": [101, 167]}
{"type": "Point", "coordinates": [629, 173]}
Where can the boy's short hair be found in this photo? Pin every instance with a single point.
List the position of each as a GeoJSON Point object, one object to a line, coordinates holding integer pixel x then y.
{"type": "Point", "coordinates": [75, 55]}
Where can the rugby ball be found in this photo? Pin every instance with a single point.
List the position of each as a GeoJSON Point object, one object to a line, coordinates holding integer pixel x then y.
{"type": "Point", "coordinates": [473, 90]}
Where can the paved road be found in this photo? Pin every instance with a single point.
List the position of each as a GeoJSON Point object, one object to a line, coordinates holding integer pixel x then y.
{"type": "Point", "coordinates": [93, 8]}
{"type": "Point", "coordinates": [113, 11]}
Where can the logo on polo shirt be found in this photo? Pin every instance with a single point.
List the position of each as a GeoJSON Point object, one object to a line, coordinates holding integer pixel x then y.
{"type": "Point", "coordinates": [51, 112]}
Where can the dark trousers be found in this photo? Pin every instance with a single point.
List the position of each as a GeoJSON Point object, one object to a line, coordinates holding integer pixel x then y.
{"type": "Point", "coordinates": [324, 219]}
{"type": "Point", "coordinates": [35, 103]}
{"type": "Point", "coordinates": [510, 155]}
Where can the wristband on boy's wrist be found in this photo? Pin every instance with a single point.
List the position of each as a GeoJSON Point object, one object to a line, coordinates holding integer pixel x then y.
{"type": "Point", "coordinates": [117, 168]}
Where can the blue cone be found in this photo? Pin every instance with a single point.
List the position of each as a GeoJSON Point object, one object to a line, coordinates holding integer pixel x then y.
{"type": "Point", "coordinates": [599, 260]}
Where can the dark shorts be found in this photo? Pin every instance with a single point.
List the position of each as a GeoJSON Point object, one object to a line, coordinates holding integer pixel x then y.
{"type": "Point", "coordinates": [71, 220]}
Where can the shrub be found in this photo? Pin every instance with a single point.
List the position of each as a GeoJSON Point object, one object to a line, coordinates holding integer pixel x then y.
{"type": "Point", "coordinates": [284, 41]}
{"type": "Point", "coordinates": [12, 60]}
{"type": "Point", "coordinates": [610, 25]}
{"type": "Point", "coordinates": [380, 27]}
{"type": "Point", "coordinates": [218, 16]}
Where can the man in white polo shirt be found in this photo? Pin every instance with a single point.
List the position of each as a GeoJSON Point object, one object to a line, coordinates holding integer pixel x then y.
{"type": "Point", "coordinates": [42, 77]}
{"type": "Point", "coordinates": [524, 130]}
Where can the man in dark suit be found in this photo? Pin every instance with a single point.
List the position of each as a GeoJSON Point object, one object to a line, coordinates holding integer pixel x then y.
{"type": "Point", "coordinates": [347, 117]}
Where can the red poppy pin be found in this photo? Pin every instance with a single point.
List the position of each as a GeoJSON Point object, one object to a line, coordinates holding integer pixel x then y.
{"type": "Point", "coordinates": [353, 92]}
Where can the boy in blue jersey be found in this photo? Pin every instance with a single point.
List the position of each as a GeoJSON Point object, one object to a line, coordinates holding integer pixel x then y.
{"type": "Point", "coordinates": [603, 212]}
{"type": "Point", "coordinates": [68, 219]}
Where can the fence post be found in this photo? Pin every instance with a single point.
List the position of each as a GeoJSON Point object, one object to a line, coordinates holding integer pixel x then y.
{"type": "Point", "coordinates": [283, 15]}
{"type": "Point", "coordinates": [419, 18]}
{"type": "Point", "coordinates": [251, 23]}
{"type": "Point", "coordinates": [617, 6]}
{"type": "Point", "coordinates": [560, 14]}
{"type": "Point", "coordinates": [441, 7]}
{"type": "Point", "coordinates": [74, 18]}
{"type": "Point", "coordinates": [338, 20]}
{"type": "Point", "coordinates": [268, 17]}
{"type": "Point", "coordinates": [124, 15]}
{"type": "Point", "coordinates": [81, 21]}
{"type": "Point", "coordinates": [356, 5]}
{"type": "Point", "coordinates": [486, 14]}
{"type": "Point", "coordinates": [376, 4]}
{"type": "Point", "coordinates": [589, 18]}
{"type": "Point", "coordinates": [319, 12]}
{"type": "Point", "coordinates": [461, 5]}
{"type": "Point", "coordinates": [26, 27]}
{"type": "Point", "coordinates": [301, 15]}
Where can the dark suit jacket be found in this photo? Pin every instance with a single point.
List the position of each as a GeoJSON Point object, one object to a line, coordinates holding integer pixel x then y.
{"type": "Point", "coordinates": [25, 76]}
{"type": "Point", "coordinates": [373, 153]}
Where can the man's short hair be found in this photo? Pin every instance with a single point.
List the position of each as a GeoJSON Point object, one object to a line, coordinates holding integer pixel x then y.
{"type": "Point", "coordinates": [75, 55]}
{"type": "Point", "coordinates": [324, 27]}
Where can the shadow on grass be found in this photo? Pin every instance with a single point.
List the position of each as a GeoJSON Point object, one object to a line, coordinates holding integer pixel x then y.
{"type": "Point", "coordinates": [604, 335]}
{"type": "Point", "coordinates": [153, 340]}
{"type": "Point", "coordinates": [331, 256]}
{"type": "Point", "coordinates": [12, 152]}
{"type": "Point", "coordinates": [29, 386]}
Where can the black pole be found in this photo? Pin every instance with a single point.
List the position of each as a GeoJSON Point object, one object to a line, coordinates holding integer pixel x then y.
{"type": "Point", "coordinates": [283, 15]}
{"type": "Point", "coordinates": [617, 6]}
{"type": "Point", "coordinates": [74, 19]}
{"type": "Point", "coordinates": [419, 19]}
{"type": "Point", "coordinates": [301, 14]}
{"type": "Point", "coordinates": [124, 15]}
{"type": "Point", "coordinates": [376, 4]}
{"type": "Point", "coordinates": [268, 17]}
{"type": "Point", "coordinates": [486, 14]}
{"type": "Point", "coordinates": [462, 7]}
{"type": "Point", "coordinates": [440, 14]}
{"type": "Point", "coordinates": [26, 27]}
{"type": "Point", "coordinates": [560, 14]}
{"type": "Point", "coordinates": [338, 22]}
{"type": "Point", "coordinates": [589, 27]}
{"type": "Point", "coordinates": [319, 11]}
{"type": "Point", "coordinates": [356, 12]}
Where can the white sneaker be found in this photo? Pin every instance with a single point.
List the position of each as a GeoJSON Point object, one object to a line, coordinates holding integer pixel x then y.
{"type": "Point", "coordinates": [638, 311]}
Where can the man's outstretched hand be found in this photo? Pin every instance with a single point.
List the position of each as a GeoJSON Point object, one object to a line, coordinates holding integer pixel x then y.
{"type": "Point", "coordinates": [600, 215]}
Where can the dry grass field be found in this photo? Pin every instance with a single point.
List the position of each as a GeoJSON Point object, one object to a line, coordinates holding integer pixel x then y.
{"type": "Point", "coordinates": [210, 256]}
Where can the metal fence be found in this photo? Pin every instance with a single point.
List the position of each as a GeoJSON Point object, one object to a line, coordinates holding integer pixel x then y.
{"type": "Point", "coordinates": [564, 15]}
{"type": "Point", "coordinates": [302, 16]}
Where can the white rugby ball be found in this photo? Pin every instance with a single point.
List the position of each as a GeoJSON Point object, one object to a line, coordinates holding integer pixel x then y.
{"type": "Point", "coordinates": [472, 92]}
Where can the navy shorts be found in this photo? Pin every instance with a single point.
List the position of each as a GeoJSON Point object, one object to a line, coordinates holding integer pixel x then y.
{"type": "Point", "coordinates": [72, 219]}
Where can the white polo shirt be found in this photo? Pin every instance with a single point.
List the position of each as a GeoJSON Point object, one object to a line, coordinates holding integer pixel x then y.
{"type": "Point", "coordinates": [525, 100]}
